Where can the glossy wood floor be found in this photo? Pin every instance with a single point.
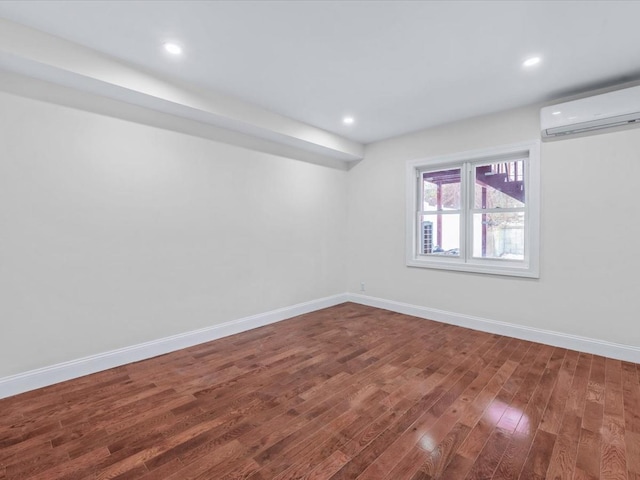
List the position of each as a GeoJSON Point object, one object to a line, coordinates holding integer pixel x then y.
{"type": "Point", "coordinates": [348, 392]}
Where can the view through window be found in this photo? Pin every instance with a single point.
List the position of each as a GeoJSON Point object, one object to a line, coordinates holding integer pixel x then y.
{"type": "Point", "coordinates": [478, 211]}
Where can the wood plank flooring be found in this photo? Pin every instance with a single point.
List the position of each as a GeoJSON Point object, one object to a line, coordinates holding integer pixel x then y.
{"type": "Point", "coordinates": [349, 392]}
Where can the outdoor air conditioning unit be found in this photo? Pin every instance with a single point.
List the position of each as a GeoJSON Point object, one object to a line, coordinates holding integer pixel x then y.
{"type": "Point", "coordinates": [612, 109]}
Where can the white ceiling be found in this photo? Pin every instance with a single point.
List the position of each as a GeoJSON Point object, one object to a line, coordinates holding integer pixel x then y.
{"type": "Point", "coordinates": [395, 66]}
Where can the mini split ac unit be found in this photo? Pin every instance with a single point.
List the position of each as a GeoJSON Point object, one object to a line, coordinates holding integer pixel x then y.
{"type": "Point", "coordinates": [612, 109]}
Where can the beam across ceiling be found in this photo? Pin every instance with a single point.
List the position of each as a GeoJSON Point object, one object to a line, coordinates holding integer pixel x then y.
{"type": "Point", "coordinates": [45, 57]}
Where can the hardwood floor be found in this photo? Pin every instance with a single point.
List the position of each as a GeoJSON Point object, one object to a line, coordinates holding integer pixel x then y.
{"type": "Point", "coordinates": [344, 393]}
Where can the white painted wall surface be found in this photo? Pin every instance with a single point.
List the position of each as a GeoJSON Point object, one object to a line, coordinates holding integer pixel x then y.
{"type": "Point", "coordinates": [588, 282]}
{"type": "Point", "coordinates": [114, 233]}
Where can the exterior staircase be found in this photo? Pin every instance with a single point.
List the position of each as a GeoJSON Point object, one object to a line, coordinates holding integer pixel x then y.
{"type": "Point", "coordinates": [505, 177]}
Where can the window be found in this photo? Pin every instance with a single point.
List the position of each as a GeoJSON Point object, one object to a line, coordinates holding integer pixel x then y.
{"type": "Point", "coordinates": [475, 211]}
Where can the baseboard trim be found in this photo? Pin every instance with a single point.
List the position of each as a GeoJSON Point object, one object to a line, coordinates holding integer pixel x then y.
{"type": "Point", "coordinates": [557, 339]}
{"type": "Point", "coordinates": [61, 372]}
{"type": "Point", "coordinates": [42, 377]}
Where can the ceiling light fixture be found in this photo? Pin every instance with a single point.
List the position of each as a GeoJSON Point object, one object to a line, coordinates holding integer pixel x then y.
{"type": "Point", "coordinates": [348, 120]}
{"type": "Point", "coordinates": [173, 48]}
{"type": "Point", "coordinates": [530, 62]}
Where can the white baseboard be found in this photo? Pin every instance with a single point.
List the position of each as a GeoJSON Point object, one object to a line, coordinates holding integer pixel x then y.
{"type": "Point", "coordinates": [618, 351]}
{"type": "Point", "coordinates": [61, 372]}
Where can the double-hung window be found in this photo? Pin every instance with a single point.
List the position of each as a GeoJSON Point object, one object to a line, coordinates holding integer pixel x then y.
{"type": "Point", "coordinates": [476, 211]}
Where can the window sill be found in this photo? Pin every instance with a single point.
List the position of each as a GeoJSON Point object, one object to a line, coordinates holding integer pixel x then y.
{"type": "Point", "coordinates": [521, 270]}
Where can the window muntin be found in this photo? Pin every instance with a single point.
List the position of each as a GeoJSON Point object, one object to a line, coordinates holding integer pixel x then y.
{"type": "Point", "coordinates": [476, 211]}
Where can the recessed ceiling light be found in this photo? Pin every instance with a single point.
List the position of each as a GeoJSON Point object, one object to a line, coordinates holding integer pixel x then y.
{"type": "Point", "coordinates": [556, 113]}
{"type": "Point", "coordinates": [530, 62]}
{"type": "Point", "coordinates": [172, 48]}
{"type": "Point", "coordinates": [348, 120]}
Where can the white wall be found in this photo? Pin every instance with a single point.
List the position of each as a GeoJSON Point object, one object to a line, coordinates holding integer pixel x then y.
{"type": "Point", "coordinates": [587, 284]}
{"type": "Point", "coordinates": [114, 233]}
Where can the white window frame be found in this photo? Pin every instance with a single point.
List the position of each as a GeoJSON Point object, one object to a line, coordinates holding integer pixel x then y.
{"type": "Point", "coordinates": [529, 267]}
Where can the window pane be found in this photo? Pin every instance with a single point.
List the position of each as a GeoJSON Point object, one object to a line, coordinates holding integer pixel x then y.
{"type": "Point", "coordinates": [499, 235]}
{"type": "Point", "coordinates": [441, 190]}
{"type": "Point", "coordinates": [440, 234]}
{"type": "Point", "coordinates": [499, 185]}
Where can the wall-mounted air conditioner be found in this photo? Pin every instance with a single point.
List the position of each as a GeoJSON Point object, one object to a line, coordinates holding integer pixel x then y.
{"type": "Point", "coordinates": [612, 109]}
